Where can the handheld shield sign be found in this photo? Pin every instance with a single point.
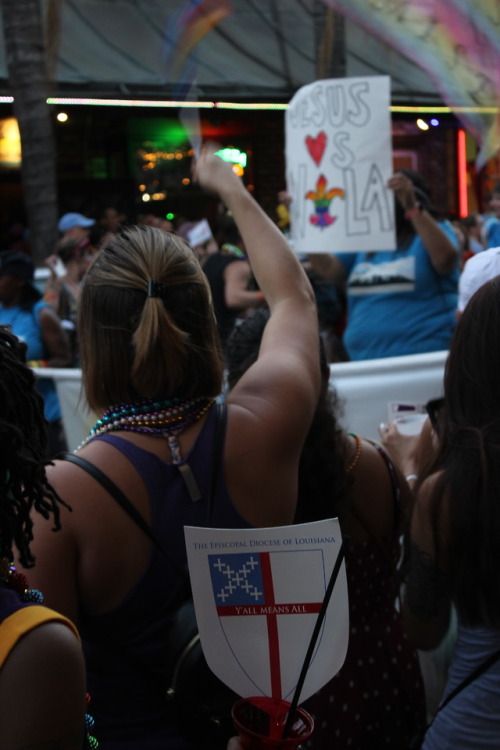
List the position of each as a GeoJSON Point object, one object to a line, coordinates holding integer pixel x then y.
{"type": "Point", "coordinates": [257, 596]}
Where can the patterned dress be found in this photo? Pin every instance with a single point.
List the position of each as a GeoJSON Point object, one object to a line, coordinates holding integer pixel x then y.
{"type": "Point", "coordinates": [376, 701]}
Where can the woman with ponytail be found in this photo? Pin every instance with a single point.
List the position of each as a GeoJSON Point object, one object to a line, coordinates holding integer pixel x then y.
{"type": "Point", "coordinates": [455, 532]}
{"type": "Point", "coordinates": [152, 371]}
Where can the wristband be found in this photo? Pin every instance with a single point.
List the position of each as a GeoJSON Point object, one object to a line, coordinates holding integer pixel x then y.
{"type": "Point", "coordinates": [411, 477]}
{"type": "Point", "coordinates": [410, 213]}
{"type": "Point", "coordinates": [37, 363]}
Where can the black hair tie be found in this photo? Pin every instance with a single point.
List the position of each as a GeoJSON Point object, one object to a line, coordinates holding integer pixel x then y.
{"type": "Point", "coordinates": [157, 289]}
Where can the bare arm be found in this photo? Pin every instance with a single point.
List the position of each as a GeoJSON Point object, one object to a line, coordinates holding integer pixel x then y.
{"type": "Point", "coordinates": [442, 252]}
{"type": "Point", "coordinates": [52, 292]}
{"type": "Point", "coordinates": [42, 692]}
{"type": "Point", "coordinates": [236, 293]}
{"type": "Point", "coordinates": [271, 407]}
{"type": "Point", "coordinates": [55, 339]}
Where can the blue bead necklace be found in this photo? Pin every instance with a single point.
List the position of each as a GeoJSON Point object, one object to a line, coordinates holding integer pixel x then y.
{"type": "Point", "coordinates": [162, 418]}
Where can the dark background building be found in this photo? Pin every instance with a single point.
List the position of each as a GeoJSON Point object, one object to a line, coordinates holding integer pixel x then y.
{"type": "Point", "coordinates": [120, 52]}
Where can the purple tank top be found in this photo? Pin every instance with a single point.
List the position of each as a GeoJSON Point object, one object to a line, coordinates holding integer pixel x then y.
{"type": "Point", "coordinates": [124, 648]}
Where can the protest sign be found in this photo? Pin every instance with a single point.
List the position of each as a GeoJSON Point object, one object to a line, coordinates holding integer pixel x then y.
{"type": "Point", "coordinates": [257, 594]}
{"type": "Point", "coordinates": [199, 234]}
{"type": "Point", "coordinates": [338, 160]}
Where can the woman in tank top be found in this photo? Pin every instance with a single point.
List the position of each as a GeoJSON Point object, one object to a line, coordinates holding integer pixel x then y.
{"type": "Point", "coordinates": [152, 369]}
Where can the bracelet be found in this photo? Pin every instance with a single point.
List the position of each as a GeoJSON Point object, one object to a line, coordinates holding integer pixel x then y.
{"type": "Point", "coordinates": [411, 477]}
{"type": "Point", "coordinates": [37, 363]}
{"type": "Point", "coordinates": [410, 213]}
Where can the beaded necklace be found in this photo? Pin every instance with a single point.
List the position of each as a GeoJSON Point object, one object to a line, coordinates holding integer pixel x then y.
{"type": "Point", "coordinates": [359, 448]}
{"type": "Point", "coordinates": [166, 419]}
{"type": "Point", "coordinates": [19, 583]}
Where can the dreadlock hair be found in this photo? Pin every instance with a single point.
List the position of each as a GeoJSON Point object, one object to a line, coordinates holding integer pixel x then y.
{"type": "Point", "coordinates": [323, 483]}
{"type": "Point", "coordinates": [23, 437]}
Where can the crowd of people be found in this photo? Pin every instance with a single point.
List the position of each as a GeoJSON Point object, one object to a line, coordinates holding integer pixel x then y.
{"type": "Point", "coordinates": [168, 321]}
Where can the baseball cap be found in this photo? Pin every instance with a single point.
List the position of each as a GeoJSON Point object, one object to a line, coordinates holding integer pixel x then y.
{"type": "Point", "coordinates": [13, 263]}
{"type": "Point", "coordinates": [71, 220]}
{"type": "Point", "coordinates": [477, 271]}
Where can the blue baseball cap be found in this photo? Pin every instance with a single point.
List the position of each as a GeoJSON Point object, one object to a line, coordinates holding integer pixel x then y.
{"type": "Point", "coordinates": [69, 221]}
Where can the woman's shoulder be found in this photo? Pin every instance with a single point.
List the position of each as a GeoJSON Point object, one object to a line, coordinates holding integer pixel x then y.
{"type": "Point", "coordinates": [375, 461]}
{"type": "Point", "coordinates": [36, 623]}
{"type": "Point", "coordinates": [45, 669]}
{"type": "Point", "coordinates": [378, 491]}
{"type": "Point", "coordinates": [429, 495]}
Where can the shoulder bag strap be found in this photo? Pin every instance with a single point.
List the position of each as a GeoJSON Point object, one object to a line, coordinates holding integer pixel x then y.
{"type": "Point", "coordinates": [492, 659]}
{"type": "Point", "coordinates": [121, 499]}
{"type": "Point", "coordinates": [217, 456]}
{"type": "Point", "coordinates": [129, 508]}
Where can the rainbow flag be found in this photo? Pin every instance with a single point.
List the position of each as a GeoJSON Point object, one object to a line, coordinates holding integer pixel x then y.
{"type": "Point", "coordinates": [185, 29]}
{"type": "Point", "coordinates": [457, 42]}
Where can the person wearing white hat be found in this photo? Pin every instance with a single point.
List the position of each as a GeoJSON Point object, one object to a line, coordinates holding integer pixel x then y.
{"type": "Point", "coordinates": [477, 271]}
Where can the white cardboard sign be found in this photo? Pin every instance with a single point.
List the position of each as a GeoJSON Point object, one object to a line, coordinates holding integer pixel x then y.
{"type": "Point", "coordinates": [199, 234]}
{"type": "Point", "coordinates": [338, 160]}
{"type": "Point", "coordinates": [257, 594]}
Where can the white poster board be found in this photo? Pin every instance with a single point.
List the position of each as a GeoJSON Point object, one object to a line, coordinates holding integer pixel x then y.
{"type": "Point", "coordinates": [257, 595]}
{"type": "Point", "coordinates": [338, 153]}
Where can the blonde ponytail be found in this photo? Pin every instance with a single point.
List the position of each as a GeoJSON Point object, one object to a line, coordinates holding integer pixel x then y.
{"type": "Point", "coordinates": [161, 350]}
{"type": "Point", "coordinates": [146, 322]}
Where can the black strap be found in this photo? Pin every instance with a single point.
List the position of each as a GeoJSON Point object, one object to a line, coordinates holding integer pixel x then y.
{"type": "Point", "coordinates": [132, 511]}
{"type": "Point", "coordinates": [216, 457]}
{"type": "Point", "coordinates": [494, 657]}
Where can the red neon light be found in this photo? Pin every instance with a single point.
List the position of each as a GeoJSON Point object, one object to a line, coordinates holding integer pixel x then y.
{"type": "Point", "coordinates": [463, 198]}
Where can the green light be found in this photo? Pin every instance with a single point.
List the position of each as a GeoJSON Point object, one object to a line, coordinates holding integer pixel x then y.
{"type": "Point", "coordinates": [170, 216]}
{"type": "Point", "coordinates": [233, 155]}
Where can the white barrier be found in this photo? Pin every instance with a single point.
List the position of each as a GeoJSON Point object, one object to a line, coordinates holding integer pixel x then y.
{"type": "Point", "coordinates": [366, 389]}
{"type": "Point", "coordinates": [76, 416]}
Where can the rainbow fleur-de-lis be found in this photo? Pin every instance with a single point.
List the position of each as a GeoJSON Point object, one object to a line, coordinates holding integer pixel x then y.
{"type": "Point", "coordinates": [322, 199]}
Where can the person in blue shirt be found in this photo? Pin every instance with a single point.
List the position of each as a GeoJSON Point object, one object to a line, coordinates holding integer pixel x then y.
{"type": "Point", "coordinates": [400, 302]}
{"type": "Point", "coordinates": [491, 223]}
{"type": "Point", "coordinates": [35, 323]}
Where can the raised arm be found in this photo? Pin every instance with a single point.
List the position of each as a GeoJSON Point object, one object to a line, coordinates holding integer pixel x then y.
{"type": "Point", "coordinates": [271, 407]}
{"type": "Point", "coordinates": [442, 252]}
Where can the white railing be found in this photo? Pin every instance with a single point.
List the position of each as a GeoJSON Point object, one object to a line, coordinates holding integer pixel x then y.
{"type": "Point", "coordinates": [366, 388]}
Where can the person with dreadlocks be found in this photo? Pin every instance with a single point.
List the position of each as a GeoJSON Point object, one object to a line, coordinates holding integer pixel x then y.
{"type": "Point", "coordinates": [42, 678]}
{"type": "Point", "coordinates": [377, 698]}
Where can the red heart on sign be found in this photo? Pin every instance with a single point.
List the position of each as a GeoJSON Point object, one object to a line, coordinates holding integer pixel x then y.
{"type": "Point", "coordinates": [316, 146]}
